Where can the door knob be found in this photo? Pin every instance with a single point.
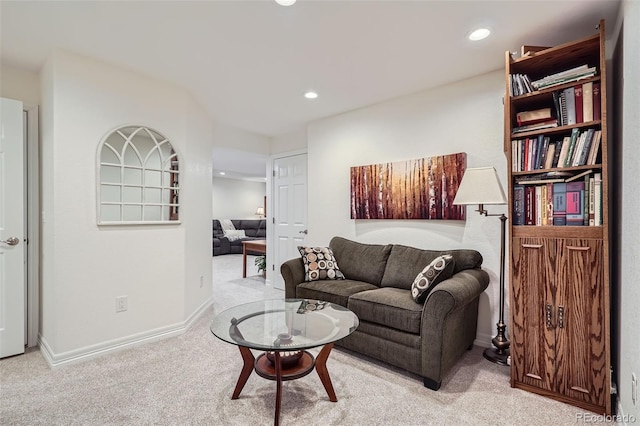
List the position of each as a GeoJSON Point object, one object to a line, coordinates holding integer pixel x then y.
{"type": "Point", "coordinates": [12, 241]}
{"type": "Point", "coordinates": [303, 232]}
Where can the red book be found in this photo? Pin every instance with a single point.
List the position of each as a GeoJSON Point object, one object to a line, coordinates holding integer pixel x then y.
{"type": "Point", "coordinates": [578, 98]}
{"type": "Point", "coordinates": [596, 101]}
{"type": "Point", "coordinates": [574, 203]}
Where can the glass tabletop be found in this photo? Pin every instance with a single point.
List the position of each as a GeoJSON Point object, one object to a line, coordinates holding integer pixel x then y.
{"type": "Point", "coordinates": [284, 324]}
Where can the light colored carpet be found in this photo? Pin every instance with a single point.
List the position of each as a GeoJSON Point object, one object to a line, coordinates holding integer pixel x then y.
{"type": "Point", "coordinates": [189, 379]}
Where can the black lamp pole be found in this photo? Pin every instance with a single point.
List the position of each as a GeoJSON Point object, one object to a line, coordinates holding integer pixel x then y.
{"type": "Point", "coordinates": [500, 353]}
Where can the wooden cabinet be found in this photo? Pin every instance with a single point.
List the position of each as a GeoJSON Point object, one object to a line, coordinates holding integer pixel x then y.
{"type": "Point", "coordinates": [558, 344]}
{"type": "Point", "coordinates": [559, 275]}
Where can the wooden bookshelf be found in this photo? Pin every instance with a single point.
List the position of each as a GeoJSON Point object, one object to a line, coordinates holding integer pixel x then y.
{"type": "Point", "coordinates": [559, 275]}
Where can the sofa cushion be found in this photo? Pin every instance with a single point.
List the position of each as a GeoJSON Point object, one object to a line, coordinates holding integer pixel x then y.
{"type": "Point", "coordinates": [331, 290]}
{"type": "Point", "coordinates": [437, 271]}
{"type": "Point", "coordinates": [361, 262]}
{"type": "Point", "coordinates": [235, 234]}
{"type": "Point", "coordinates": [319, 264]}
{"type": "Point", "coordinates": [405, 263]}
{"type": "Point", "coordinates": [388, 306]}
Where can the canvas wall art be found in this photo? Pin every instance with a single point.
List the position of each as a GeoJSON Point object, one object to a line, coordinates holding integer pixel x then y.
{"type": "Point", "coordinates": [414, 189]}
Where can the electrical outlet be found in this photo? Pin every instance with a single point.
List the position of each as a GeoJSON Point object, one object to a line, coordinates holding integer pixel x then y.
{"type": "Point", "coordinates": [121, 303]}
{"type": "Point", "coordinates": [634, 389]}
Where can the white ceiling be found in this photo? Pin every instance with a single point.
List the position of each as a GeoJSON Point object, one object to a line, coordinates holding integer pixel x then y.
{"type": "Point", "coordinates": [249, 62]}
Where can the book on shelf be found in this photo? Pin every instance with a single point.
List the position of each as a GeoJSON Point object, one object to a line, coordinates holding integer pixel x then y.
{"type": "Point", "coordinates": [595, 148]}
{"type": "Point", "coordinates": [546, 219]}
{"type": "Point", "coordinates": [573, 74]}
{"type": "Point", "coordinates": [546, 141]}
{"type": "Point", "coordinates": [587, 91]}
{"type": "Point", "coordinates": [596, 100]}
{"type": "Point", "coordinates": [550, 155]}
{"type": "Point", "coordinates": [579, 175]}
{"type": "Point", "coordinates": [597, 194]}
{"type": "Point", "coordinates": [572, 145]}
{"type": "Point", "coordinates": [558, 176]}
{"type": "Point", "coordinates": [570, 97]}
{"type": "Point", "coordinates": [574, 212]}
{"type": "Point", "coordinates": [585, 202]}
{"type": "Point", "coordinates": [559, 204]}
{"type": "Point", "coordinates": [592, 205]}
{"type": "Point", "coordinates": [566, 141]}
{"type": "Point", "coordinates": [535, 116]}
{"type": "Point", "coordinates": [530, 205]}
{"type": "Point", "coordinates": [539, 210]}
{"type": "Point", "coordinates": [557, 107]}
{"type": "Point", "coordinates": [546, 124]}
{"type": "Point", "coordinates": [549, 203]}
{"type": "Point", "coordinates": [518, 205]}
{"type": "Point", "coordinates": [578, 101]}
{"type": "Point", "coordinates": [580, 159]}
{"type": "Point", "coordinates": [562, 101]}
{"type": "Point", "coordinates": [519, 84]}
{"type": "Point", "coordinates": [556, 153]}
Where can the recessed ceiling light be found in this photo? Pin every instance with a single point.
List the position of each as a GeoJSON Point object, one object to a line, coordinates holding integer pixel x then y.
{"type": "Point", "coordinates": [222, 173]}
{"type": "Point", "coordinates": [285, 2]}
{"type": "Point", "coordinates": [479, 34]}
{"type": "Point", "coordinates": [310, 94]}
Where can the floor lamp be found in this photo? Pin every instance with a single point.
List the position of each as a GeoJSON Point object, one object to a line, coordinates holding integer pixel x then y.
{"type": "Point", "coordinates": [481, 186]}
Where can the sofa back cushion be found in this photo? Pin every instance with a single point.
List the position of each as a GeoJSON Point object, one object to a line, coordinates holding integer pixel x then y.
{"type": "Point", "coordinates": [217, 229]}
{"type": "Point", "coordinates": [361, 262]}
{"type": "Point", "coordinates": [405, 263]}
{"type": "Point", "coordinates": [255, 228]}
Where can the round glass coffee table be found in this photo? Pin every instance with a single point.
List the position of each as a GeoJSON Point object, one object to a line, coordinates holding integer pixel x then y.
{"type": "Point", "coordinates": [284, 329]}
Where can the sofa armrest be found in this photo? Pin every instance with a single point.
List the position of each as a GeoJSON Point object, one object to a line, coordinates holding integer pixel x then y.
{"type": "Point", "coordinates": [449, 322]}
{"type": "Point", "coordinates": [293, 274]}
{"type": "Point", "coordinates": [456, 291]}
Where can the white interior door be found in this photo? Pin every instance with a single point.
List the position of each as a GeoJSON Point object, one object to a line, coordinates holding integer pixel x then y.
{"type": "Point", "coordinates": [290, 210]}
{"type": "Point", "coordinates": [12, 253]}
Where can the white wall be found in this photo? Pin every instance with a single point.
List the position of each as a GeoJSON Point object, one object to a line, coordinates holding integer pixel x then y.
{"type": "Point", "coordinates": [20, 85]}
{"type": "Point", "coordinates": [237, 199]}
{"type": "Point", "coordinates": [629, 285]}
{"type": "Point", "coordinates": [461, 117]}
{"type": "Point", "coordinates": [85, 267]}
{"type": "Point", "coordinates": [293, 141]}
{"type": "Point", "coordinates": [238, 139]}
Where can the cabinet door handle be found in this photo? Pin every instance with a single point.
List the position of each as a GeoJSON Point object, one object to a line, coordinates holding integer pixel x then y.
{"type": "Point", "coordinates": [549, 316]}
{"type": "Point", "coordinates": [533, 246]}
{"type": "Point", "coordinates": [560, 316]}
{"type": "Point", "coordinates": [578, 248]}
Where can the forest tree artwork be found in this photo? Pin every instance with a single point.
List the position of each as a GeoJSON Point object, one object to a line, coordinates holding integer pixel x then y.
{"type": "Point", "coordinates": [414, 189]}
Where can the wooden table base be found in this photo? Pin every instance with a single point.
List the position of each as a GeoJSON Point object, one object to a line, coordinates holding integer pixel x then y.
{"type": "Point", "coordinates": [274, 371]}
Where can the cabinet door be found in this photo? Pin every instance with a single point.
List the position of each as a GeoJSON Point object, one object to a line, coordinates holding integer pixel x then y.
{"type": "Point", "coordinates": [532, 329]}
{"type": "Point", "coordinates": [580, 334]}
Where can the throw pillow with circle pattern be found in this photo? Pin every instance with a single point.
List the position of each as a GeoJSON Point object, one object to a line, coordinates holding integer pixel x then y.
{"type": "Point", "coordinates": [319, 264]}
{"type": "Point", "coordinates": [437, 271]}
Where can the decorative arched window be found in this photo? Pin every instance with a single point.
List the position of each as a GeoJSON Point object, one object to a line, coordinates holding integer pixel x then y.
{"type": "Point", "coordinates": [138, 178]}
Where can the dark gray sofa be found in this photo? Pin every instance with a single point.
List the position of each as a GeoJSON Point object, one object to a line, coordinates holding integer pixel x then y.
{"type": "Point", "coordinates": [425, 339]}
{"type": "Point", "coordinates": [254, 229]}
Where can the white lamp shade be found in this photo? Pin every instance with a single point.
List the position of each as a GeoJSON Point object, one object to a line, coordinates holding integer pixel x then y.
{"type": "Point", "coordinates": [480, 186]}
{"type": "Point", "coordinates": [260, 211]}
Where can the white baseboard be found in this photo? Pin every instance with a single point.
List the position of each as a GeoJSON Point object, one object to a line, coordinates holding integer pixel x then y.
{"type": "Point", "coordinates": [94, 351]}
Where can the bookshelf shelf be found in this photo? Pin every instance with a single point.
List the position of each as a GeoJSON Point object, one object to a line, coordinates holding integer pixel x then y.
{"type": "Point", "coordinates": [536, 231]}
{"type": "Point", "coordinates": [559, 274]}
{"type": "Point", "coordinates": [558, 169]}
{"type": "Point", "coordinates": [557, 130]}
